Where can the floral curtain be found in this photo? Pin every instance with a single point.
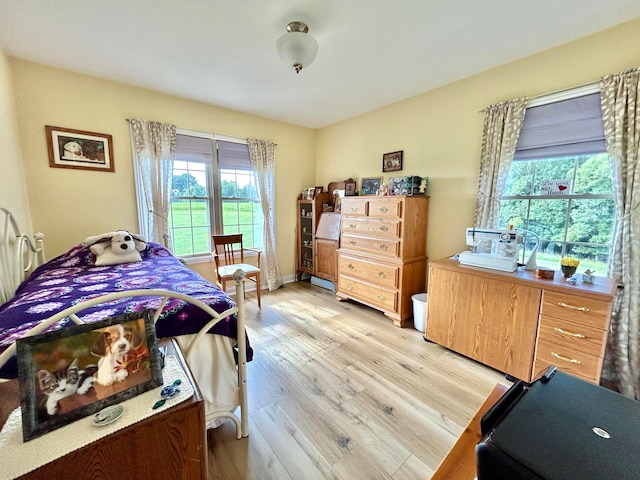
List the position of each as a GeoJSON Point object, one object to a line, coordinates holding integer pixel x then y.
{"type": "Point", "coordinates": [502, 124]}
{"type": "Point", "coordinates": [262, 158]}
{"type": "Point", "coordinates": [621, 116]}
{"type": "Point", "coordinates": [154, 147]}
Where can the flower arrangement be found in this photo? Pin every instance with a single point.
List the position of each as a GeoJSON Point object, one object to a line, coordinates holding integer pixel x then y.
{"type": "Point", "coordinates": [569, 262]}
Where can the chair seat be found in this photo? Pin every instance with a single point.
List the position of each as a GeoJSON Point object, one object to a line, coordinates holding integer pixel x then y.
{"type": "Point", "coordinates": [229, 270]}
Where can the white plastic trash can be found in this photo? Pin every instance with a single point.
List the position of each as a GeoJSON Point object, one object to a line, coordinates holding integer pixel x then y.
{"type": "Point", "coordinates": [419, 311]}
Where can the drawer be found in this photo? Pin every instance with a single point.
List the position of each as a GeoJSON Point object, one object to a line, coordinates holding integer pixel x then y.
{"type": "Point", "coordinates": [354, 207]}
{"type": "Point", "coordinates": [373, 295]}
{"type": "Point", "coordinates": [385, 247]}
{"type": "Point", "coordinates": [576, 308]}
{"type": "Point", "coordinates": [540, 367]}
{"type": "Point", "coordinates": [568, 360]}
{"type": "Point", "coordinates": [385, 207]}
{"type": "Point", "coordinates": [371, 226]}
{"type": "Point", "coordinates": [385, 275]}
{"type": "Point", "coordinates": [572, 335]}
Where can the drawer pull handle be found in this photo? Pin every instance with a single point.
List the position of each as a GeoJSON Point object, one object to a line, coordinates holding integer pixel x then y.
{"type": "Point", "coordinates": [570, 360]}
{"type": "Point", "coordinates": [349, 287]}
{"type": "Point", "coordinates": [573, 307]}
{"type": "Point", "coordinates": [354, 209]}
{"type": "Point", "coordinates": [381, 298]}
{"type": "Point", "coordinates": [350, 267]}
{"type": "Point", "coordinates": [352, 242]}
{"type": "Point", "coordinates": [384, 209]}
{"type": "Point", "coordinates": [569, 334]}
{"type": "Point", "coordinates": [352, 225]}
{"type": "Point", "coordinates": [384, 228]}
{"type": "Point", "coordinates": [383, 247]}
{"type": "Point", "coordinates": [382, 275]}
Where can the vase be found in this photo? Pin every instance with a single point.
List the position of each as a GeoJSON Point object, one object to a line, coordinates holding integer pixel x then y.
{"type": "Point", "coordinates": [568, 271]}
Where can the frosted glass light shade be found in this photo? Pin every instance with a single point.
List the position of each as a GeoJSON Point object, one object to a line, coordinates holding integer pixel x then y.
{"type": "Point", "coordinates": [297, 49]}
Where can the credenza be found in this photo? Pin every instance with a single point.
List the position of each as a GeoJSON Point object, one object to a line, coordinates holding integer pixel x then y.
{"type": "Point", "coordinates": [382, 258]}
{"type": "Point", "coordinates": [517, 323]}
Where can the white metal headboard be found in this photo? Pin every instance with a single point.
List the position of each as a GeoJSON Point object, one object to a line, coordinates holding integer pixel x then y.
{"type": "Point", "coordinates": [19, 255]}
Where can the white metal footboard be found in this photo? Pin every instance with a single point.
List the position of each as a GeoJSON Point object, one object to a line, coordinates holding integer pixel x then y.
{"type": "Point", "coordinates": [242, 424]}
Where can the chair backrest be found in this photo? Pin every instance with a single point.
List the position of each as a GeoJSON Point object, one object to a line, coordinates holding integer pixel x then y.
{"type": "Point", "coordinates": [223, 246]}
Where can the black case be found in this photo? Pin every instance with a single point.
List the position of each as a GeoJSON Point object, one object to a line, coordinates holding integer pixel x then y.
{"type": "Point", "coordinates": [556, 428]}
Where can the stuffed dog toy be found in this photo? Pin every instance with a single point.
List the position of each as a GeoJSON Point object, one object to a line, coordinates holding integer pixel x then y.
{"type": "Point", "coordinates": [113, 345]}
{"type": "Point", "coordinates": [117, 247]}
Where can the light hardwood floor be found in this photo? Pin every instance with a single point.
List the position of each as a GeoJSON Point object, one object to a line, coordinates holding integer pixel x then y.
{"type": "Point", "coordinates": [336, 391]}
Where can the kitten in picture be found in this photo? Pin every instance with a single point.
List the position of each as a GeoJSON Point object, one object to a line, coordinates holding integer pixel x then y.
{"type": "Point", "coordinates": [64, 383]}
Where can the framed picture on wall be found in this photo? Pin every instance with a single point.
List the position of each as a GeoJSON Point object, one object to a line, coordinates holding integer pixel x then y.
{"type": "Point", "coordinates": [392, 162]}
{"type": "Point", "coordinates": [79, 149]}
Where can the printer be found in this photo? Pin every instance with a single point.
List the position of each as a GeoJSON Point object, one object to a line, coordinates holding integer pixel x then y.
{"type": "Point", "coordinates": [560, 428]}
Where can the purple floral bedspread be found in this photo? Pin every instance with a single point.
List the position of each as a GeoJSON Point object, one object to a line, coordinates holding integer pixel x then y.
{"type": "Point", "coordinates": [73, 277]}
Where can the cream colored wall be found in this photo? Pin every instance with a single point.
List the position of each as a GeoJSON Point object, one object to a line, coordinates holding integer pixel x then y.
{"type": "Point", "coordinates": [68, 205]}
{"type": "Point", "coordinates": [13, 186]}
{"type": "Point", "coordinates": [440, 131]}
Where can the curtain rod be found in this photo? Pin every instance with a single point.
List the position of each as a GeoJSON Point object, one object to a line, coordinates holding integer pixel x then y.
{"type": "Point", "coordinates": [214, 136]}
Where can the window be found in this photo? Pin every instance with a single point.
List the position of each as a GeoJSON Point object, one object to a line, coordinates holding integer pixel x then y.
{"type": "Point", "coordinates": [559, 184]}
{"type": "Point", "coordinates": [213, 190]}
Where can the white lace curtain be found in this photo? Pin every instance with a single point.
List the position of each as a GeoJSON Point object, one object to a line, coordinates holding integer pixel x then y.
{"type": "Point", "coordinates": [502, 125]}
{"type": "Point", "coordinates": [621, 115]}
{"type": "Point", "coordinates": [154, 147]}
{"type": "Point", "coordinates": [262, 155]}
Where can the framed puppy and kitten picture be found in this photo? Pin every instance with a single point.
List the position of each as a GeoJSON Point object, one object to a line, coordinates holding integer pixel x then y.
{"type": "Point", "coordinates": [76, 371]}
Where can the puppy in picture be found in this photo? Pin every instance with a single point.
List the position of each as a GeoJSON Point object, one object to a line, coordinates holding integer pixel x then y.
{"type": "Point", "coordinates": [113, 345]}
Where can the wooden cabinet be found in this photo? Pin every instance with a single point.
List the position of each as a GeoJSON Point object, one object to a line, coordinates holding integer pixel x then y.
{"type": "Point", "coordinates": [326, 247]}
{"type": "Point", "coordinates": [308, 213]}
{"type": "Point", "coordinates": [382, 256]}
{"type": "Point", "coordinates": [519, 324]}
{"type": "Point", "coordinates": [572, 334]}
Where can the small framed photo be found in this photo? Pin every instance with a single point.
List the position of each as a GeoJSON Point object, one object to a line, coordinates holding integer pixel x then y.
{"type": "Point", "coordinates": [317, 190]}
{"type": "Point", "coordinates": [310, 192]}
{"type": "Point", "coordinates": [77, 371]}
{"type": "Point", "coordinates": [79, 149]}
{"type": "Point", "coordinates": [392, 162]}
{"type": "Point", "coordinates": [370, 186]}
{"type": "Point", "coordinates": [350, 189]}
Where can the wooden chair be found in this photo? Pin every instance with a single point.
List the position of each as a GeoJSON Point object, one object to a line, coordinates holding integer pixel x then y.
{"type": "Point", "coordinates": [223, 247]}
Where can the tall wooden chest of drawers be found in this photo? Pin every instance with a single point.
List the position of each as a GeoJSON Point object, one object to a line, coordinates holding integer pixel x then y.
{"type": "Point", "coordinates": [382, 257]}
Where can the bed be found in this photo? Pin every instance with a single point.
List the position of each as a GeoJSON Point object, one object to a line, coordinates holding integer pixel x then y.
{"type": "Point", "coordinates": [70, 289]}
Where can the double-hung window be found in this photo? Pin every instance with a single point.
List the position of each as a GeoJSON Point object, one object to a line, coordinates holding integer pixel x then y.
{"type": "Point", "coordinates": [213, 191]}
{"type": "Point", "coordinates": [560, 183]}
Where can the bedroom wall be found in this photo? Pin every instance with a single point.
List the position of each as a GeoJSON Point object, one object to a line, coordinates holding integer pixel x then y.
{"type": "Point", "coordinates": [68, 205]}
{"type": "Point", "coordinates": [13, 186]}
{"type": "Point", "coordinates": [440, 131]}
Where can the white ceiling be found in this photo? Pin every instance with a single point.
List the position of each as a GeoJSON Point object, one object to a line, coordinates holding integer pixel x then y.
{"type": "Point", "coordinates": [371, 52]}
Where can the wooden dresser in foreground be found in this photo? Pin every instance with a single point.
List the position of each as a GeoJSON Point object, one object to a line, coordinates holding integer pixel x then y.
{"type": "Point", "coordinates": [171, 444]}
{"type": "Point", "coordinates": [517, 323]}
{"type": "Point", "coordinates": [382, 258]}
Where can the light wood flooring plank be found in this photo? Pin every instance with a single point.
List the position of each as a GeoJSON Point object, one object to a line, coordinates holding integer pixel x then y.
{"type": "Point", "coordinates": [337, 391]}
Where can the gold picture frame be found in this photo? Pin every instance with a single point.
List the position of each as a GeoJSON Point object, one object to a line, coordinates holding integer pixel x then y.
{"type": "Point", "coordinates": [78, 149]}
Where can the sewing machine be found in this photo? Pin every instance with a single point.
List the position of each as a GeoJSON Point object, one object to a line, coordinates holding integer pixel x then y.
{"type": "Point", "coordinates": [495, 249]}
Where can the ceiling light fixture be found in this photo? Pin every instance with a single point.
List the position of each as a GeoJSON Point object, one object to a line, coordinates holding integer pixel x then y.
{"type": "Point", "coordinates": [297, 48]}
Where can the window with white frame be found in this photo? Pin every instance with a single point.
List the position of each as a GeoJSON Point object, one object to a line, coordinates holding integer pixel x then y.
{"type": "Point", "coordinates": [213, 191]}
{"type": "Point", "coordinates": [560, 184]}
